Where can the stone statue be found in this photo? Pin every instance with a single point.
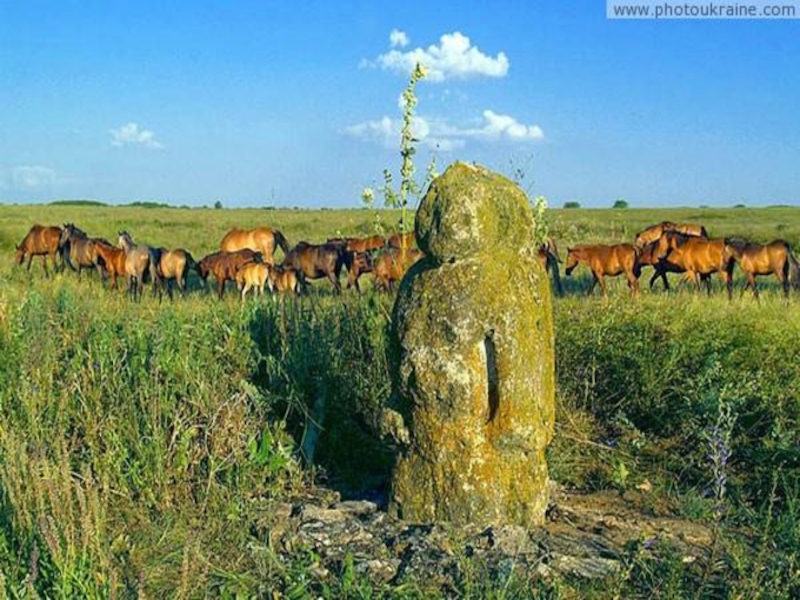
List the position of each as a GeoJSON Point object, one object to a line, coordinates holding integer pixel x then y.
{"type": "Point", "coordinates": [471, 346]}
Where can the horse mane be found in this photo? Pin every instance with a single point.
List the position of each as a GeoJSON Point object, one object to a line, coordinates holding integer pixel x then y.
{"type": "Point", "coordinates": [737, 243]}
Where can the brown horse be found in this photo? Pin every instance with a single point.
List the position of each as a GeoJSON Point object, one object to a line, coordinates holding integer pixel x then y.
{"type": "Point", "coordinates": [763, 259]}
{"type": "Point", "coordinates": [173, 266]}
{"type": "Point", "coordinates": [312, 261]}
{"type": "Point", "coordinates": [357, 264]}
{"type": "Point", "coordinates": [606, 260]}
{"type": "Point", "coordinates": [654, 232]}
{"type": "Point", "coordinates": [397, 240]}
{"type": "Point", "coordinates": [283, 280]}
{"type": "Point", "coordinates": [260, 239]}
{"type": "Point", "coordinates": [41, 241]}
{"type": "Point", "coordinates": [389, 267]}
{"type": "Point", "coordinates": [140, 262]}
{"type": "Point", "coordinates": [113, 259]}
{"type": "Point", "coordinates": [549, 259]}
{"type": "Point", "coordinates": [80, 251]}
{"type": "Point", "coordinates": [252, 276]}
{"type": "Point", "coordinates": [367, 244]}
{"type": "Point", "coordinates": [696, 256]}
{"type": "Point", "coordinates": [223, 265]}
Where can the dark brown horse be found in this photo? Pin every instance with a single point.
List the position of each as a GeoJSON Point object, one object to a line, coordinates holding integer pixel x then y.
{"type": "Point", "coordinates": [696, 256]}
{"type": "Point", "coordinates": [80, 251]}
{"type": "Point", "coordinates": [261, 239]}
{"type": "Point", "coordinates": [357, 264]}
{"type": "Point", "coordinates": [312, 261]}
{"type": "Point", "coordinates": [223, 265]}
{"type": "Point", "coordinates": [114, 261]}
{"type": "Point", "coordinates": [764, 259]}
{"type": "Point", "coordinates": [654, 232]}
{"type": "Point", "coordinates": [42, 241]}
{"type": "Point", "coordinates": [390, 267]}
{"type": "Point", "coordinates": [606, 260]}
{"type": "Point", "coordinates": [173, 266]}
{"type": "Point", "coordinates": [549, 259]}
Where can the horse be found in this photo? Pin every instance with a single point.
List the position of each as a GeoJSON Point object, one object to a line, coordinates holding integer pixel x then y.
{"type": "Point", "coordinates": [654, 232]}
{"type": "Point", "coordinates": [173, 265]}
{"type": "Point", "coordinates": [79, 251]}
{"type": "Point", "coordinates": [284, 279]}
{"type": "Point", "coordinates": [763, 259]}
{"type": "Point", "coordinates": [140, 261]}
{"type": "Point", "coordinates": [699, 257]}
{"type": "Point", "coordinates": [253, 276]}
{"type": "Point", "coordinates": [113, 259]}
{"type": "Point", "coordinates": [312, 261]}
{"type": "Point", "coordinates": [398, 240]}
{"type": "Point", "coordinates": [356, 265]}
{"type": "Point", "coordinates": [42, 241]}
{"type": "Point", "coordinates": [260, 239]}
{"type": "Point", "coordinates": [389, 267]}
{"type": "Point", "coordinates": [354, 244]}
{"type": "Point", "coordinates": [549, 259]}
{"type": "Point", "coordinates": [223, 265]}
{"type": "Point", "coordinates": [607, 260]}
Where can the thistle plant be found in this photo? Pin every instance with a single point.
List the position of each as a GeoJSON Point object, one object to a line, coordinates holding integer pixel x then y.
{"type": "Point", "coordinates": [718, 439]}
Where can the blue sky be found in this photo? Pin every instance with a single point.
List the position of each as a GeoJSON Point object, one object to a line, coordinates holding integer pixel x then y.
{"type": "Point", "coordinates": [296, 103]}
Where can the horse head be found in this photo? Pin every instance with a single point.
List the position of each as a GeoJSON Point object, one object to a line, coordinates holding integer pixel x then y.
{"type": "Point", "coordinates": [572, 261]}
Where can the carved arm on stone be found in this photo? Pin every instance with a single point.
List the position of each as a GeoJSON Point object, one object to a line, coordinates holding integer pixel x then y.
{"type": "Point", "coordinates": [393, 425]}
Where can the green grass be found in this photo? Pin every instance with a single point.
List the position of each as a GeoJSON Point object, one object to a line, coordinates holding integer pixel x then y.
{"type": "Point", "coordinates": [142, 446]}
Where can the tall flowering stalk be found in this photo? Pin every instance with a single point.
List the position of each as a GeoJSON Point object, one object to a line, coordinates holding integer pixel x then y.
{"type": "Point", "coordinates": [719, 453]}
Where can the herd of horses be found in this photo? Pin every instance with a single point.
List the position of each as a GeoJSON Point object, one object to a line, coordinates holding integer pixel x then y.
{"type": "Point", "coordinates": [246, 257]}
{"type": "Point", "coordinates": [686, 248]}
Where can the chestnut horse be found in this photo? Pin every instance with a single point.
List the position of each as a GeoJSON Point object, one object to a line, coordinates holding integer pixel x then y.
{"type": "Point", "coordinates": [312, 261]}
{"type": "Point", "coordinates": [367, 244]}
{"type": "Point", "coordinates": [389, 267]}
{"type": "Point", "coordinates": [654, 232]}
{"type": "Point", "coordinates": [606, 260]}
{"type": "Point", "coordinates": [223, 265]}
{"type": "Point", "coordinates": [284, 279]}
{"type": "Point", "coordinates": [260, 239]}
{"type": "Point", "coordinates": [252, 276]}
{"type": "Point", "coordinates": [763, 259]}
{"type": "Point", "coordinates": [397, 240]}
{"type": "Point", "coordinates": [113, 259]}
{"type": "Point", "coordinates": [79, 251]}
{"type": "Point", "coordinates": [173, 266]}
{"type": "Point", "coordinates": [698, 257]}
{"type": "Point", "coordinates": [42, 241]}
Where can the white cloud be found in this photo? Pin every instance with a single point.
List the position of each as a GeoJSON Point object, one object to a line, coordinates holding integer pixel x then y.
{"type": "Point", "coordinates": [29, 178]}
{"type": "Point", "coordinates": [398, 39]}
{"type": "Point", "coordinates": [130, 134]}
{"type": "Point", "coordinates": [440, 135]}
{"type": "Point", "coordinates": [454, 58]}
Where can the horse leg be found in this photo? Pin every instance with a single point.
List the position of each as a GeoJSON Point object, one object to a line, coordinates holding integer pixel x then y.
{"type": "Point", "coordinates": [30, 258]}
{"type": "Point", "coordinates": [44, 264]}
{"type": "Point", "coordinates": [751, 282]}
{"type": "Point", "coordinates": [633, 284]}
{"type": "Point", "coordinates": [337, 286]}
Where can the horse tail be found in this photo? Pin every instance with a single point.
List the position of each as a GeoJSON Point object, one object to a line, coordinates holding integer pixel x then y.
{"type": "Point", "coordinates": [281, 241]}
{"type": "Point", "coordinates": [794, 268]}
{"type": "Point", "coordinates": [703, 232]}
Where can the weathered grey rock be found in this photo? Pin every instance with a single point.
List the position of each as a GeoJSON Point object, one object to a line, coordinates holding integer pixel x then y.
{"type": "Point", "coordinates": [472, 356]}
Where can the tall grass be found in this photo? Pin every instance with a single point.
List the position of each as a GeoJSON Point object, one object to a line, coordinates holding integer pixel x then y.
{"type": "Point", "coordinates": [144, 446]}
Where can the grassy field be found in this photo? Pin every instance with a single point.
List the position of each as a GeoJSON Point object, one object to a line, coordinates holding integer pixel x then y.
{"type": "Point", "coordinates": [143, 447]}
